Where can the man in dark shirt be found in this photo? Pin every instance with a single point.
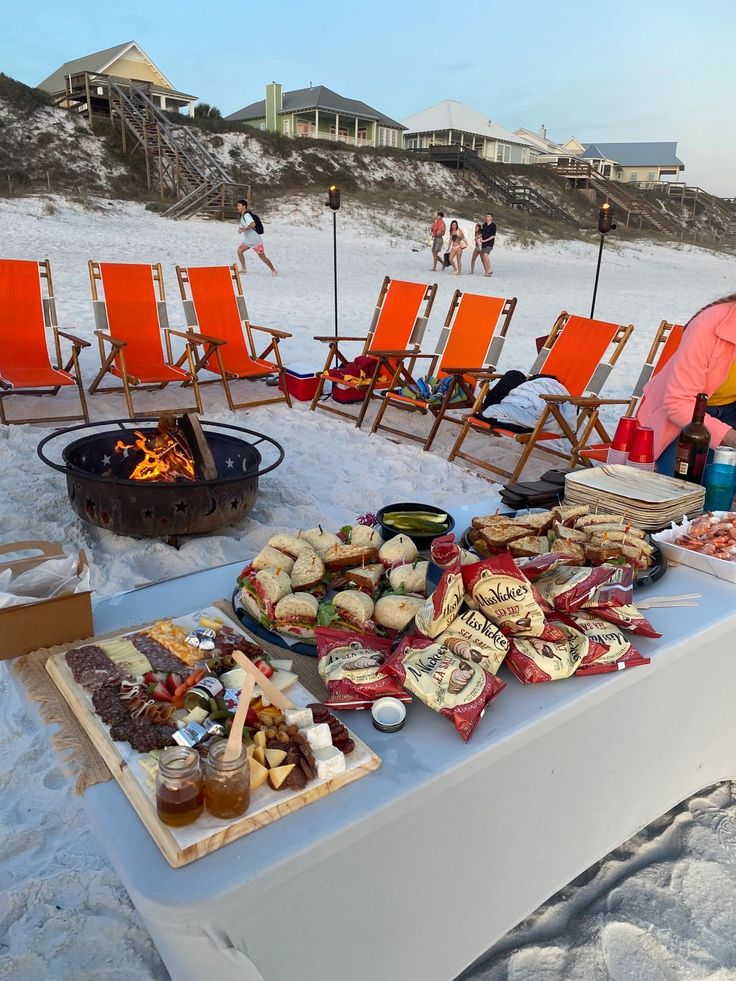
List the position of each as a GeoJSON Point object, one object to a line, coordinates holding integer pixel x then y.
{"type": "Point", "coordinates": [487, 241]}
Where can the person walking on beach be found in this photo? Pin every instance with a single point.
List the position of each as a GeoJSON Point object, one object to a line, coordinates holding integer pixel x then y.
{"type": "Point", "coordinates": [487, 241]}
{"type": "Point", "coordinates": [476, 250]}
{"type": "Point", "coordinates": [437, 232]}
{"type": "Point", "coordinates": [250, 239]}
{"type": "Point", "coordinates": [458, 242]}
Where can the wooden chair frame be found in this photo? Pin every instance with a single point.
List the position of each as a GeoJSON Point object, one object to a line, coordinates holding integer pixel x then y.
{"type": "Point", "coordinates": [586, 423]}
{"type": "Point", "coordinates": [117, 348]}
{"type": "Point", "coordinates": [592, 406]}
{"type": "Point", "coordinates": [385, 359]}
{"type": "Point", "coordinates": [211, 345]}
{"type": "Point", "coordinates": [459, 381]}
{"type": "Point", "coordinates": [71, 367]}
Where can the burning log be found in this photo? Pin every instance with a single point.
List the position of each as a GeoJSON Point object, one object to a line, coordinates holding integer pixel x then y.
{"type": "Point", "coordinates": [178, 450]}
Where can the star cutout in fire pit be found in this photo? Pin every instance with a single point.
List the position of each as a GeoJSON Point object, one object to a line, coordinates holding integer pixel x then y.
{"type": "Point", "coordinates": [234, 504]}
{"type": "Point", "coordinates": [181, 506]}
{"type": "Point", "coordinates": [148, 512]}
{"type": "Point", "coordinates": [229, 463]}
{"type": "Point", "coordinates": [106, 460]}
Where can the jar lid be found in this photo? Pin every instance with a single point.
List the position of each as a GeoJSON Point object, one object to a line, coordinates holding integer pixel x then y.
{"type": "Point", "coordinates": [389, 714]}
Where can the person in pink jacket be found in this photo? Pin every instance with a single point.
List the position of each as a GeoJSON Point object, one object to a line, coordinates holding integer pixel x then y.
{"type": "Point", "coordinates": [704, 362]}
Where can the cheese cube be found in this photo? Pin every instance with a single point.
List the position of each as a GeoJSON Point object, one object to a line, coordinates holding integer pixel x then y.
{"type": "Point", "coordinates": [301, 718]}
{"type": "Point", "coordinates": [330, 762]}
{"type": "Point", "coordinates": [318, 737]}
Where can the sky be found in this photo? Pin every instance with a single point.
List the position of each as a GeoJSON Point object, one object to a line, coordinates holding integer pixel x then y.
{"type": "Point", "coordinates": [609, 72]}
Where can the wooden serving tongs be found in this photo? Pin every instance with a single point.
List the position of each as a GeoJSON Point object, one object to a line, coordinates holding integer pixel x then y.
{"type": "Point", "coordinates": [272, 693]}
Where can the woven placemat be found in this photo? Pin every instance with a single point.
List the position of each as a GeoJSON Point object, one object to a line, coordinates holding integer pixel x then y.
{"type": "Point", "coordinates": [79, 758]}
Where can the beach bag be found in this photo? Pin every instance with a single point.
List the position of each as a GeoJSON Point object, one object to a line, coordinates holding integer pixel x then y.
{"type": "Point", "coordinates": [257, 223]}
{"type": "Point", "coordinates": [447, 258]}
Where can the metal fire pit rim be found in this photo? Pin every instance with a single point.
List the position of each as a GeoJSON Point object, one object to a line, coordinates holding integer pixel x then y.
{"type": "Point", "coordinates": [126, 424]}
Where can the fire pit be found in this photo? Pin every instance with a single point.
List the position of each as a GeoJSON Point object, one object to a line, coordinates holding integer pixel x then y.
{"type": "Point", "coordinates": [109, 479]}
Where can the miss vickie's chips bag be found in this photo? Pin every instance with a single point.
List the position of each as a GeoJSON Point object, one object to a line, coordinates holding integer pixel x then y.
{"type": "Point", "coordinates": [456, 688]}
{"type": "Point", "coordinates": [350, 665]}
{"type": "Point", "coordinates": [502, 593]}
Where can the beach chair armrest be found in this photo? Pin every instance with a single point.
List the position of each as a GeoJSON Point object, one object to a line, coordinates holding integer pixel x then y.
{"type": "Point", "coordinates": [470, 371]}
{"type": "Point", "coordinates": [483, 374]}
{"type": "Point", "coordinates": [281, 334]}
{"type": "Point", "coordinates": [76, 341]}
{"type": "Point", "coordinates": [185, 335]}
{"type": "Point", "coordinates": [592, 402]}
{"type": "Point", "coordinates": [556, 399]}
{"type": "Point", "coordinates": [104, 336]}
{"type": "Point", "coordinates": [383, 355]}
{"type": "Point", "coordinates": [194, 337]}
{"type": "Point", "coordinates": [334, 340]}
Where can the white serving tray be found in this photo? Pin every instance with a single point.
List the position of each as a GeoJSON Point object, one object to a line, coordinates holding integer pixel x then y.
{"type": "Point", "coordinates": [720, 568]}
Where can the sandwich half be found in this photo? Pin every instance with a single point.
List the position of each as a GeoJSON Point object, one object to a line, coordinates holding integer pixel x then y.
{"type": "Point", "coordinates": [308, 572]}
{"type": "Point", "coordinates": [296, 615]}
{"type": "Point", "coordinates": [354, 610]}
{"type": "Point", "coordinates": [368, 577]}
{"type": "Point", "coordinates": [261, 591]}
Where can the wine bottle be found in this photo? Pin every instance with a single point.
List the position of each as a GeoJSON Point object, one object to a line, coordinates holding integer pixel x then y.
{"type": "Point", "coordinates": [692, 448]}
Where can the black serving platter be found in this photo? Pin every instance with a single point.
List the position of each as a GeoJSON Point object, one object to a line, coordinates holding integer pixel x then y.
{"type": "Point", "coordinates": [643, 578]}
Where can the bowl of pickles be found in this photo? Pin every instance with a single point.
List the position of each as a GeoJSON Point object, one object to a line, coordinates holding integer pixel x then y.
{"type": "Point", "coordinates": [420, 522]}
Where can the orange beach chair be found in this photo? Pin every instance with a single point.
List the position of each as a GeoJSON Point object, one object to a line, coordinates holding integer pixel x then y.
{"type": "Point", "coordinates": [129, 301]}
{"type": "Point", "coordinates": [215, 312]}
{"type": "Point", "coordinates": [398, 325]}
{"type": "Point", "coordinates": [573, 353]}
{"type": "Point", "coordinates": [666, 342]}
{"type": "Point", "coordinates": [471, 339]}
{"type": "Point", "coordinates": [27, 309]}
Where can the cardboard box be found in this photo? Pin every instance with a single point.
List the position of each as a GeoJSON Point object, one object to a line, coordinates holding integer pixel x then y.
{"type": "Point", "coordinates": [43, 623]}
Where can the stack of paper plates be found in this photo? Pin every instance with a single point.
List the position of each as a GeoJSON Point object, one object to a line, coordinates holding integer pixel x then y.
{"type": "Point", "coordinates": [648, 500]}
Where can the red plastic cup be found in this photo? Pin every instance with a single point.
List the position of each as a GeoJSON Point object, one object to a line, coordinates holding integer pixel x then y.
{"type": "Point", "coordinates": [625, 430]}
{"type": "Point", "coordinates": [642, 446]}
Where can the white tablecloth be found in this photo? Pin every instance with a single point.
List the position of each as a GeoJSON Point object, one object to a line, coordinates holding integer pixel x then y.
{"type": "Point", "coordinates": [416, 870]}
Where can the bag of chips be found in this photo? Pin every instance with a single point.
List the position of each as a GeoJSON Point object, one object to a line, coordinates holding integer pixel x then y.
{"type": "Point", "coordinates": [570, 587]}
{"type": "Point", "coordinates": [611, 650]}
{"type": "Point", "coordinates": [505, 596]}
{"type": "Point", "coordinates": [350, 665]}
{"type": "Point", "coordinates": [618, 590]}
{"type": "Point", "coordinates": [538, 565]}
{"type": "Point", "coordinates": [444, 604]}
{"type": "Point", "coordinates": [473, 637]}
{"type": "Point", "coordinates": [532, 659]}
{"type": "Point", "coordinates": [627, 617]}
{"type": "Point", "coordinates": [456, 688]}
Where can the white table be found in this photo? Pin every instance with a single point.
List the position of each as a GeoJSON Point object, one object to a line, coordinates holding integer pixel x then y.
{"type": "Point", "coordinates": [416, 870]}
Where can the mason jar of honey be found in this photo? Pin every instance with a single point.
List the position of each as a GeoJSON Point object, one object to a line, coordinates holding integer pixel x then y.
{"type": "Point", "coordinates": [227, 782]}
{"type": "Point", "coordinates": [179, 787]}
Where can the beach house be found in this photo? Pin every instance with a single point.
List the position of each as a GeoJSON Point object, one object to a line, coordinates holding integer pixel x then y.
{"type": "Point", "coordinates": [321, 114]}
{"type": "Point", "coordinates": [126, 62]}
{"type": "Point", "coordinates": [634, 162]}
{"type": "Point", "coordinates": [451, 122]}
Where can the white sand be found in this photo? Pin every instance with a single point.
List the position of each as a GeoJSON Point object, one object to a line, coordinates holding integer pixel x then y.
{"type": "Point", "coordinates": [661, 906]}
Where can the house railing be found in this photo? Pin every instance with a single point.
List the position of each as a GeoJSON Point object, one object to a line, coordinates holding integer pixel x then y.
{"type": "Point", "coordinates": [313, 133]}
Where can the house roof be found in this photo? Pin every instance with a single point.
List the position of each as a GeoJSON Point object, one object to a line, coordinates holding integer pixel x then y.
{"type": "Point", "coordinates": [316, 97]}
{"type": "Point", "coordinates": [634, 154]}
{"type": "Point", "coordinates": [98, 61]}
{"type": "Point", "coordinates": [541, 142]}
{"type": "Point", "coordinates": [455, 115]}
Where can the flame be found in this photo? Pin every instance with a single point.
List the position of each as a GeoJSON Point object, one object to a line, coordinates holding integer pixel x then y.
{"type": "Point", "coordinates": [164, 459]}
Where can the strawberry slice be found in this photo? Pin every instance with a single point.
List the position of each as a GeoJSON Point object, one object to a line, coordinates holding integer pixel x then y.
{"type": "Point", "coordinates": [172, 682]}
{"type": "Point", "coordinates": [151, 678]}
{"type": "Point", "coordinates": [160, 693]}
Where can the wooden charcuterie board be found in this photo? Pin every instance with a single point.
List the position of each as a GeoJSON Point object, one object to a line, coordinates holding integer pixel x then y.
{"type": "Point", "coordinates": [180, 846]}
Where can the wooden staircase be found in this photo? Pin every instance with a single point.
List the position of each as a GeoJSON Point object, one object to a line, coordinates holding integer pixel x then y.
{"type": "Point", "coordinates": [507, 190]}
{"type": "Point", "coordinates": [629, 209]}
{"type": "Point", "coordinates": [178, 162]}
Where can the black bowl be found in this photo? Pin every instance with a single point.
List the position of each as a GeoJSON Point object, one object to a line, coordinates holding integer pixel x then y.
{"type": "Point", "coordinates": [422, 540]}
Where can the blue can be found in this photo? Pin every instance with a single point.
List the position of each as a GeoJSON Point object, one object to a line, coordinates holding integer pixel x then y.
{"type": "Point", "coordinates": [720, 480]}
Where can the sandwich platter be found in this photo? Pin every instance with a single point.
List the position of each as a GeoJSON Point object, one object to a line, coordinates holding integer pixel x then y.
{"type": "Point", "coordinates": [592, 538]}
{"type": "Point", "coordinates": [352, 579]}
